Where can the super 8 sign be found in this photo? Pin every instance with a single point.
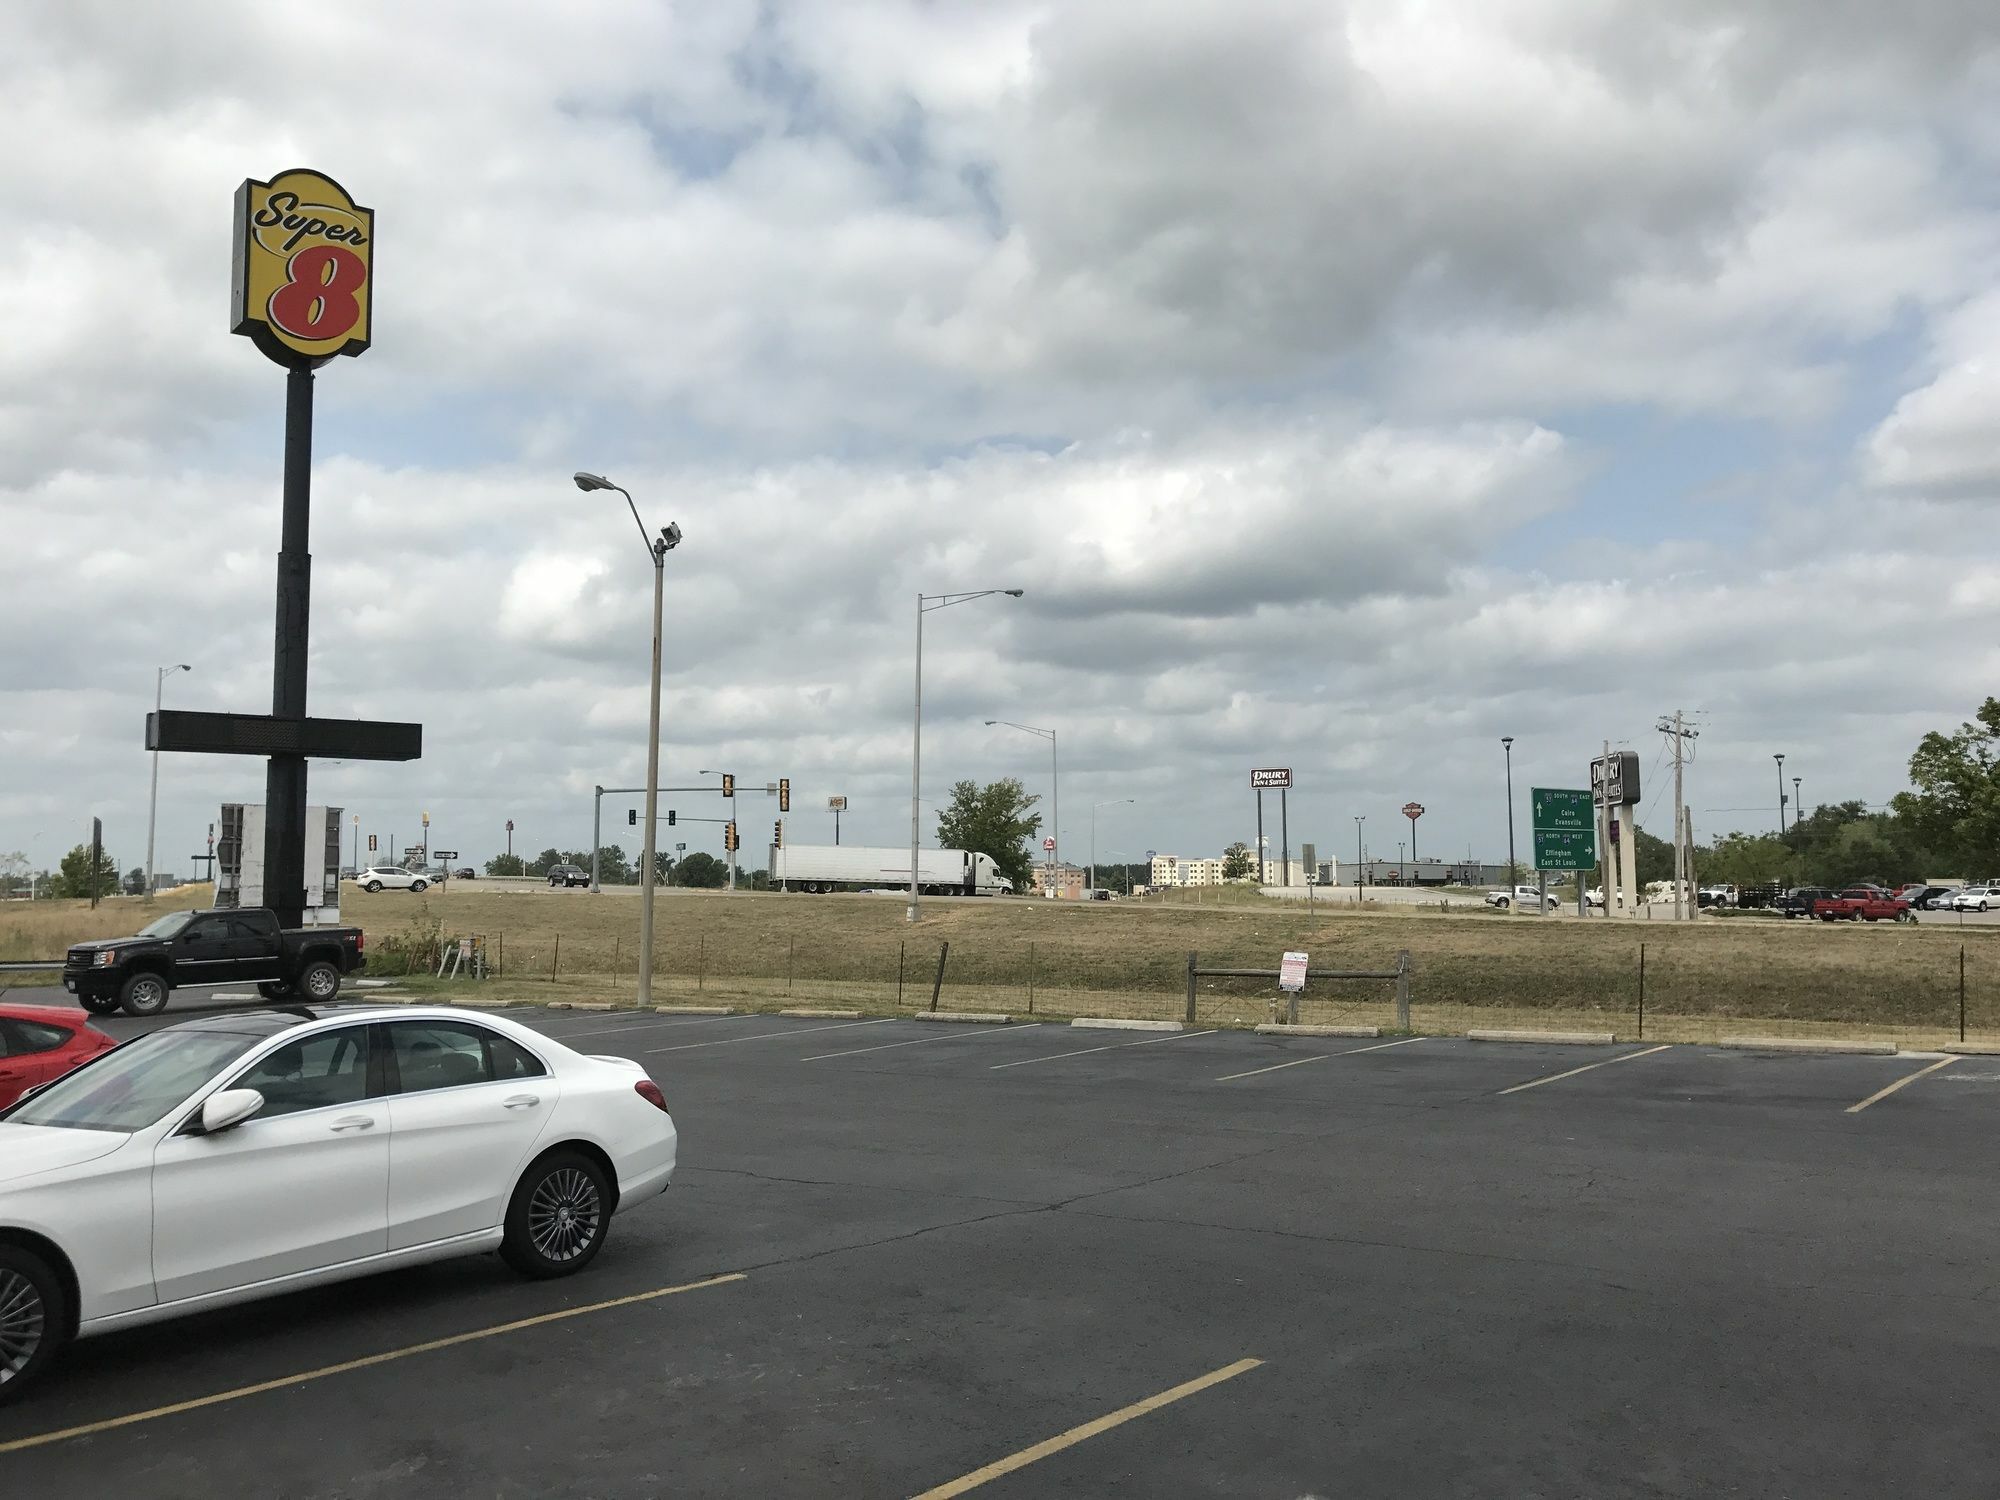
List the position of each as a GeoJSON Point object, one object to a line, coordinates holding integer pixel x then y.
{"type": "Point", "coordinates": [303, 282]}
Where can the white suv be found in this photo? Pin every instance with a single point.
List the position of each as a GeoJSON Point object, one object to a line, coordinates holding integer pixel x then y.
{"type": "Point", "coordinates": [389, 878]}
{"type": "Point", "coordinates": [1522, 895]}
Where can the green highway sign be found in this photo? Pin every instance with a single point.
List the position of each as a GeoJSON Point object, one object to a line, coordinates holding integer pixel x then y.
{"type": "Point", "coordinates": [1565, 825]}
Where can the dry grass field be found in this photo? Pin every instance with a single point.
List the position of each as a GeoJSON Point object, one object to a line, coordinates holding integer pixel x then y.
{"type": "Point", "coordinates": [1701, 980]}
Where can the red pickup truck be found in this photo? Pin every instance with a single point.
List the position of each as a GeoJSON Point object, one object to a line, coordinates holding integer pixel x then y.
{"type": "Point", "coordinates": [1863, 903]}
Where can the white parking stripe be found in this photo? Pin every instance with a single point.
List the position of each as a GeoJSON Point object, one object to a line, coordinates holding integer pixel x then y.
{"type": "Point", "coordinates": [563, 1036]}
{"type": "Point", "coordinates": [1317, 1057]}
{"type": "Point", "coordinates": [765, 1036]}
{"type": "Point", "coordinates": [891, 1046]}
{"type": "Point", "coordinates": [1109, 1047]}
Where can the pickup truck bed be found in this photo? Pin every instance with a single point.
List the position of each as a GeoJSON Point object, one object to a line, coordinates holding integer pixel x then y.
{"type": "Point", "coordinates": [243, 946]}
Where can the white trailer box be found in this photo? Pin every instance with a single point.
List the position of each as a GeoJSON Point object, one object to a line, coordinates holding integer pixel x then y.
{"type": "Point", "coordinates": [856, 867]}
{"type": "Point", "coordinates": [239, 861]}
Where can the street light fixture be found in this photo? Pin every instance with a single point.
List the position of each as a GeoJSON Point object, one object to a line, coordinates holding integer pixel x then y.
{"type": "Point", "coordinates": [160, 676]}
{"type": "Point", "coordinates": [657, 549]}
{"type": "Point", "coordinates": [1781, 794]}
{"type": "Point", "coordinates": [1091, 884]}
{"type": "Point", "coordinates": [1513, 871]}
{"type": "Point", "coordinates": [926, 603]}
{"type": "Point", "coordinates": [1055, 787]}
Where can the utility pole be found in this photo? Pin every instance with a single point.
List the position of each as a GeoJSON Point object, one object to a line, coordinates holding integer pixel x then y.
{"type": "Point", "coordinates": [1680, 741]}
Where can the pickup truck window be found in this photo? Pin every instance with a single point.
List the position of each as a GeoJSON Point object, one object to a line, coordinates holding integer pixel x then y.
{"type": "Point", "coordinates": [167, 926]}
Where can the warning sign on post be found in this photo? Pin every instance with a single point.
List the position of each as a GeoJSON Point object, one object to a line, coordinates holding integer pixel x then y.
{"type": "Point", "coordinates": [1292, 973]}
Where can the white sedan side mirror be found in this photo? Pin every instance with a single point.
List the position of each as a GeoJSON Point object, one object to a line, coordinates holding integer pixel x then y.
{"type": "Point", "coordinates": [229, 1108]}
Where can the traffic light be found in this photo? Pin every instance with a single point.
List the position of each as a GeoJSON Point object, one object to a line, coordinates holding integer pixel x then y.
{"type": "Point", "coordinates": [784, 794]}
{"type": "Point", "coordinates": [778, 834]}
{"type": "Point", "coordinates": [670, 817]}
{"type": "Point", "coordinates": [728, 785]}
{"type": "Point", "coordinates": [632, 816]}
{"type": "Point", "coordinates": [729, 836]}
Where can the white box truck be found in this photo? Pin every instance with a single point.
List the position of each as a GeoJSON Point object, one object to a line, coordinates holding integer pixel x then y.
{"type": "Point", "coordinates": [239, 861]}
{"type": "Point", "coordinates": [856, 867]}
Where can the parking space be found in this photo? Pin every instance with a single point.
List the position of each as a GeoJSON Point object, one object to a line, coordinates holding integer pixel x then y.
{"type": "Point", "coordinates": [904, 1258]}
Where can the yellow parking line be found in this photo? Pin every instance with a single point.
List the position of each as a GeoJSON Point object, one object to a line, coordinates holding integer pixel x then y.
{"type": "Point", "coordinates": [42, 1439]}
{"type": "Point", "coordinates": [1077, 1435]}
{"type": "Point", "coordinates": [1880, 1094]}
{"type": "Point", "coordinates": [1559, 1077]}
{"type": "Point", "coordinates": [1317, 1057]}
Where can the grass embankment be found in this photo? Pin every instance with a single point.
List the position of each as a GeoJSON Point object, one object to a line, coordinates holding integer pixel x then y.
{"type": "Point", "coordinates": [1703, 979]}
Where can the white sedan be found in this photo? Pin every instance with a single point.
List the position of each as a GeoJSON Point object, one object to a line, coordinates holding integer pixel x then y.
{"type": "Point", "coordinates": [255, 1153]}
{"type": "Point", "coordinates": [389, 878]}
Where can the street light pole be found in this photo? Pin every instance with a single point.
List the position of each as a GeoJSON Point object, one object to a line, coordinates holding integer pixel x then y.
{"type": "Point", "coordinates": [1360, 865]}
{"type": "Point", "coordinates": [925, 604]}
{"type": "Point", "coordinates": [657, 549]}
{"type": "Point", "coordinates": [1781, 794]}
{"type": "Point", "coordinates": [1513, 872]}
{"type": "Point", "coordinates": [160, 675]}
{"type": "Point", "coordinates": [1091, 884]}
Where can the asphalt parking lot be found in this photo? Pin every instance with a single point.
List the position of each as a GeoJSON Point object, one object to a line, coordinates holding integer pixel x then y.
{"type": "Point", "coordinates": [1044, 1261]}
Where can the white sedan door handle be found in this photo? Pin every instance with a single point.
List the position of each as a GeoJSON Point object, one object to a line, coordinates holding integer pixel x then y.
{"type": "Point", "coordinates": [522, 1101]}
{"type": "Point", "coordinates": [354, 1122]}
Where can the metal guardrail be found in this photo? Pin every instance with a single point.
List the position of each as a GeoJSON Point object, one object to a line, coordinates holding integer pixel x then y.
{"type": "Point", "coordinates": [1401, 974]}
{"type": "Point", "coordinates": [28, 965]}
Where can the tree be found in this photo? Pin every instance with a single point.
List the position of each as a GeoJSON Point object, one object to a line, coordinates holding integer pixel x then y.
{"type": "Point", "coordinates": [506, 864]}
{"type": "Point", "coordinates": [992, 820]}
{"type": "Point", "coordinates": [542, 863]}
{"type": "Point", "coordinates": [1955, 809]}
{"type": "Point", "coordinates": [701, 870]}
{"type": "Point", "coordinates": [75, 881]}
{"type": "Point", "coordinates": [1236, 861]}
{"type": "Point", "coordinates": [612, 866]}
{"type": "Point", "coordinates": [13, 871]}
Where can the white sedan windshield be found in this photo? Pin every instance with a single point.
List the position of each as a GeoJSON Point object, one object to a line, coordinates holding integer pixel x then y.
{"type": "Point", "coordinates": [135, 1085]}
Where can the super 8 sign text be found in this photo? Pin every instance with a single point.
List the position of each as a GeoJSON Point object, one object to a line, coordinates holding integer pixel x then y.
{"type": "Point", "coordinates": [302, 286]}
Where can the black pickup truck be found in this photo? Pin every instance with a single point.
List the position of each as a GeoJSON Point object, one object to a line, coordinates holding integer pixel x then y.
{"type": "Point", "coordinates": [185, 948]}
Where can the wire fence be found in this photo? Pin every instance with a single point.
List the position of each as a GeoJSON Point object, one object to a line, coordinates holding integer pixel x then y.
{"type": "Point", "coordinates": [1924, 994]}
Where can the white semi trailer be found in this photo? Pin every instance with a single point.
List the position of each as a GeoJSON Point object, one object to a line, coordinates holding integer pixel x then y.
{"type": "Point", "coordinates": [856, 867]}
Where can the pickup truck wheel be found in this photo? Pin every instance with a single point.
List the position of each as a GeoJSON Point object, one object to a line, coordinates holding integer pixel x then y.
{"type": "Point", "coordinates": [99, 1005]}
{"type": "Point", "coordinates": [372, 887]}
{"type": "Point", "coordinates": [34, 1318]}
{"type": "Point", "coordinates": [275, 989]}
{"type": "Point", "coordinates": [320, 981]}
{"type": "Point", "coordinates": [143, 995]}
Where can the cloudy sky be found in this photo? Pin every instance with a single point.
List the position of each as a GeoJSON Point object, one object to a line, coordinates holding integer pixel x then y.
{"type": "Point", "coordinates": [1348, 385]}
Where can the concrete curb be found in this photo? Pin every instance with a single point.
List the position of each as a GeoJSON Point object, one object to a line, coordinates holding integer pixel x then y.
{"type": "Point", "coordinates": [598, 1005]}
{"type": "Point", "coordinates": [1552, 1038]}
{"type": "Point", "coordinates": [1110, 1023]}
{"type": "Point", "coordinates": [692, 1010]}
{"type": "Point", "coordinates": [1972, 1049]}
{"type": "Point", "coordinates": [1804, 1044]}
{"type": "Point", "coordinates": [1271, 1028]}
{"type": "Point", "coordinates": [991, 1018]}
{"type": "Point", "coordinates": [836, 1015]}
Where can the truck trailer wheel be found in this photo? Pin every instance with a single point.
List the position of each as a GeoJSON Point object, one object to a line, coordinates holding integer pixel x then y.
{"type": "Point", "coordinates": [320, 981]}
{"type": "Point", "coordinates": [143, 995]}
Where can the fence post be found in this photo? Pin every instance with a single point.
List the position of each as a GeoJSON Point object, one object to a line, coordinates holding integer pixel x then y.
{"type": "Point", "coordinates": [1192, 956]}
{"type": "Point", "coordinates": [701, 962]}
{"type": "Point", "coordinates": [791, 952]}
{"type": "Point", "coordinates": [1642, 991]}
{"type": "Point", "coordinates": [1031, 979]}
{"type": "Point", "coordinates": [899, 975]}
{"type": "Point", "coordinates": [500, 965]}
{"type": "Point", "coordinates": [555, 959]}
{"type": "Point", "coordinates": [617, 949]}
{"type": "Point", "coordinates": [1403, 990]}
{"type": "Point", "coordinates": [937, 984]}
{"type": "Point", "coordinates": [1961, 992]}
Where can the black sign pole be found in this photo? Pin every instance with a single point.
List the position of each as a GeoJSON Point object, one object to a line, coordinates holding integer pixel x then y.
{"type": "Point", "coordinates": [1260, 835]}
{"type": "Point", "coordinates": [285, 776]}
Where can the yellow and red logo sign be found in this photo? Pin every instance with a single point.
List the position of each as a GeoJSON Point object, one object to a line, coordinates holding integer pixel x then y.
{"type": "Point", "coordinates": [304, 276]}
